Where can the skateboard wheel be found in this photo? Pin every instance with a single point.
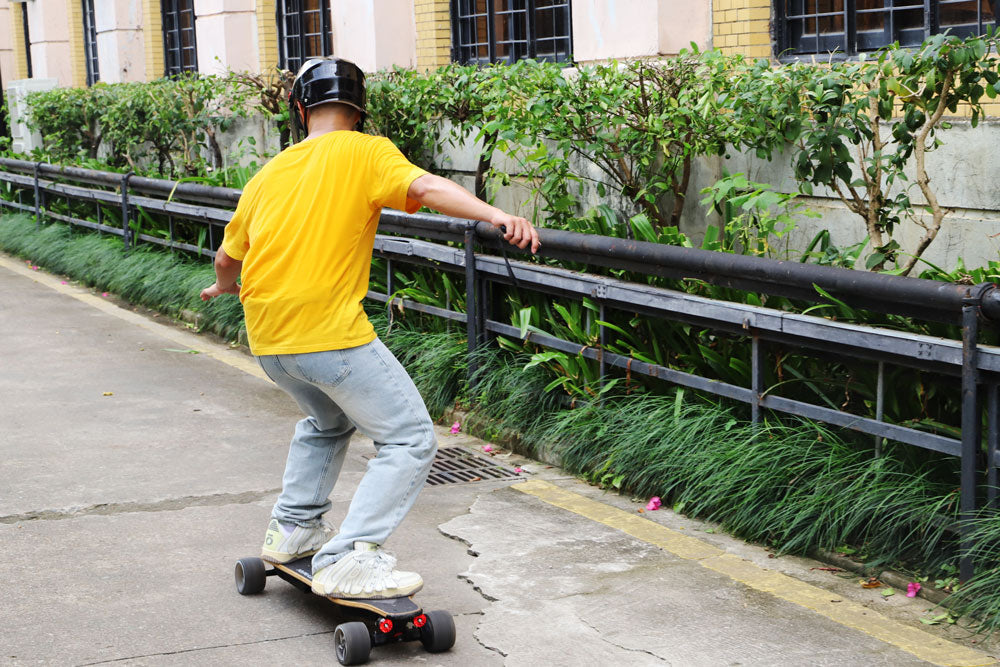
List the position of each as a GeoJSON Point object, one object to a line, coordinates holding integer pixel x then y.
{"type": "Point", "coordinates": [354, 644]}
{"type": "Point", "coordinates": [250, 576]}
{"type": "Point", "coordinates": [438, 633]}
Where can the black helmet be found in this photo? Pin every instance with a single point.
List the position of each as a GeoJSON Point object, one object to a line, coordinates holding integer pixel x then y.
{"type": "Point", "coordinates": [322, 80]}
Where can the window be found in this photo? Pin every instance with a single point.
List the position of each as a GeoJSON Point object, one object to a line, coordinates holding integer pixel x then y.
{"type": "Point", "coordinates": [90, 43]}
{"type": "Point", "coordinates": [180, 51]}
{"type": "Point", "coordinates": [852, 26]}
{"type": "Point", "coordinates": [27, 37]}
{"type": "Point", "coordinates": [303, 31]}
{"type": "Point", "coordinates": [489, 31]}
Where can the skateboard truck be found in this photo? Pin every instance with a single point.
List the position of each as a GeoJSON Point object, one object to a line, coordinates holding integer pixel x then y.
{"type": "Point", "coordinates": [385, 621]}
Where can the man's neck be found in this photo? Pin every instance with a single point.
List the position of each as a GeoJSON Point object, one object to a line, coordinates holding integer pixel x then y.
{"type": "Point", "coordinates": [321, 126]}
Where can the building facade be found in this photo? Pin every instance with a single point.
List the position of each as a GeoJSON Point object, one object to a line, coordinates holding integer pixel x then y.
{"type": "Point", "coordinates": [78, 42]}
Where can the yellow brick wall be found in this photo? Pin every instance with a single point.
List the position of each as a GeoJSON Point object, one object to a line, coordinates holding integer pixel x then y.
{"type": "Point", "coordinates": [17, 33]}
{"type": "Point", "coordinates": [433, 20]}
{"type": "Point", "coordinates": [742, 26]}
{"type": "Point", "coordinates": [152, 34]}
{"type": "Point", "coordinates": [77, 54]}
{"type": "Point", "coordinates": [267, 34]}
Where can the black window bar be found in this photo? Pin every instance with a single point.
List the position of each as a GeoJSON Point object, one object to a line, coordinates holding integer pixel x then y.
{"type": "Point", "coordinates": [180, 49]}
{"type": "Point", "coordinates": [90, 43]}
{"type": "Point", "coordinates": [27, 37]}
{"type": "Point", "coordinates": [491, 31]}
{"type": "Point", "coordinates": [303, 31]}
{"type": "Point", "coordinates": [850, 27]}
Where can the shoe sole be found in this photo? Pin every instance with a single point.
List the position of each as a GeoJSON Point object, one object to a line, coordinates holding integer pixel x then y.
{"type": "Point", "coordinates": [369, 596]}
{"type": "Point", "coordinates": [275, 557]}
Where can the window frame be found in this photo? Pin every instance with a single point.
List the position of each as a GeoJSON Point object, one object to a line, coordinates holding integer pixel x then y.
{"type": "Point", "coordinates": [851, 42]}
{"type": "Point", "coordinates": [90, 43]}
{"type": "Point", "coordinates": [286, 9]}
{"type": "Point", "coordinates": [27, 39]}
{"type": "Point", "coordinates": [173, 57]}
{"type": "Point", "coordinates": [466, 41]}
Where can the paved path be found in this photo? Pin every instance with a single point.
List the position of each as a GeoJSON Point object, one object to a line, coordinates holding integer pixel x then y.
{"type": "Point", "coordinates": [140, 460]}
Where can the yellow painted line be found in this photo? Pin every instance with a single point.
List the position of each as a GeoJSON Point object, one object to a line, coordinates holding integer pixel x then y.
{"type": "Point", "coordinates": [921, 644]}
{"type": "Point", "coordinates": [187, 340]}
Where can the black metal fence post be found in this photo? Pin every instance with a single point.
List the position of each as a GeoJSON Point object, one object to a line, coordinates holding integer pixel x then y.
{"type": "Point", "coordinates": [756, 377]}
{"type": "Point", "coordinates": [126, 232]}
{"type": "Point", "coordinates": [471, 306]}
{"type": "Point", "coordinates": [602, 341]}
{"type": "Point", "coordinates": [992, 437]}
{"type": "Point", "coordinates": [388, 288]}
{"type": "Point", "coordinates": [38, 195]}
{"type": "Point", "coordinates": [484, 309]}
{"type": "Point", "coordinates": [971, 425]}
{"type": "Point", "coordinates": [879, 405]}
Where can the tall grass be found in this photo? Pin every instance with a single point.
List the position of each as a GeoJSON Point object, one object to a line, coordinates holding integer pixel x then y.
{"type": "Point", "coordinates": [144, 276]}
{"type": "Point", "coordinates": [797, 486]}
{"type": "Point", "coordinates": [979, 599]}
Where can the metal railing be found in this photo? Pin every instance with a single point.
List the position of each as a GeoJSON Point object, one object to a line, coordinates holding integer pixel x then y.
{"type": "Point", "coordinates": [416, 240]}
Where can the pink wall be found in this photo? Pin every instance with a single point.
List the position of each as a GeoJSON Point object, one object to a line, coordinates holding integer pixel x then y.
{"type": "Point", "coordinates": [121, 52]}
{"type": "Point", "coordinates": [619, 29]}
{"type": "Point", "coordinates": [682, 22]}
{"type": "Point", "coordinates": [8, 69]}
{"type": "Point", "coordinates": [48, 28]}
{"type": "Point", "coordinates": [227, 36]}
{"type": "Point", "coordinates": [375, 34]}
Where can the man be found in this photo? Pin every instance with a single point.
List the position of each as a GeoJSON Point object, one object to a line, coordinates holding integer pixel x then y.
{"type": "Point", "coordinates": [302, 237]}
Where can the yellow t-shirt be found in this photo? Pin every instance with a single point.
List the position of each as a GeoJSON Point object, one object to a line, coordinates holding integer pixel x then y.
{"type": "Point", "coordinates": [304, 228]}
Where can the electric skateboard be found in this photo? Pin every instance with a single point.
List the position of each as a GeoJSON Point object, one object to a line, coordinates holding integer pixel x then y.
{"type": "Point", "coordinates": [384, 621]}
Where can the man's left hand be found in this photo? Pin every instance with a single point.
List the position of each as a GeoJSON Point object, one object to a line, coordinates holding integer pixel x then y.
{"type": "Point", "coordinates": [215, 290]}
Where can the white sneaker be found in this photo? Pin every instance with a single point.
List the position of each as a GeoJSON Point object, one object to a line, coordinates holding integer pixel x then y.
{"type": "Point", "coordinates": [285, 542]}
{"type": "Point", "coordinates": [365, 573]}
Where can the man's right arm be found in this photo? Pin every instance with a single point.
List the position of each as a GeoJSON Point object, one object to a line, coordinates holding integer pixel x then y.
{"type": "Point", "coordinates": [451, 198]}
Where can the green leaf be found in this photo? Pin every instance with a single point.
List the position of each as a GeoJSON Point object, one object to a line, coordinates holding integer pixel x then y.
{"type": "Point", "coordinates": [524, 317]}
{"type": "Point", "coordinates": [874, 259]}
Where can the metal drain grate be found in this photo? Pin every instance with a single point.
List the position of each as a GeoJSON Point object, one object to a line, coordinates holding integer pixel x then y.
{"type": "Point", "coordinates": [455, 465]}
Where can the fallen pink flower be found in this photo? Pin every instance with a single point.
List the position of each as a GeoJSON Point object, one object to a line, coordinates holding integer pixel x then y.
{"type": "Point", "coordinates": [62, 282]}
{"type": "Point", "coordinates": [653, 504]}
{"type": "Point", "coordinates": [487, 448]}
{"type": "Point", "coordinates": [105, 294]}
{"type": "Point", "coordinates": [912, 589]}
{"type": "Point", "coordinates": [455, 428]}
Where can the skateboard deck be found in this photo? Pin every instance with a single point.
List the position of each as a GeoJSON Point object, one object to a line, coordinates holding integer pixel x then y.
{"type": "Point", "coordinates": [301, 571]}
{"type": "Point", "coordinates": [384, 621]}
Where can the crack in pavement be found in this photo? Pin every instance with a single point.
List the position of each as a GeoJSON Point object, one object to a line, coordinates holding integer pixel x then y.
{"type": "Point", "coordinates": [206, 648]}
{"type": "Point", "coordinates": [468, 579]}
{"type": "Point", "coordinates": [494, 649]}
{"type": "Point", "coordinates": [604, 639]}
{"type": "Point", "coordinates": [171, 504]}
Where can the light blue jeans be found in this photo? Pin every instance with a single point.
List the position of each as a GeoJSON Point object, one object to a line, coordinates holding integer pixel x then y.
{"type": "Point", "coordinates": [361, 388]}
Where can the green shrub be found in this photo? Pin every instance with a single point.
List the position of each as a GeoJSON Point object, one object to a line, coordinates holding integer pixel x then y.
{"type": "Point", "coordinates": [69, 120]}
{"type": "Point", "coordinates": [168, 122]}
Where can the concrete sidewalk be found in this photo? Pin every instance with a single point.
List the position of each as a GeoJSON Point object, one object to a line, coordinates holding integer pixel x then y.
{"type": "Point", "coordinates": [141, 460]}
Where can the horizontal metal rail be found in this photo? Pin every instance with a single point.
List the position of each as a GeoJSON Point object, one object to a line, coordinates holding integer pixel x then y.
{"type": "Point", "coordinates": [912, 297]}
{"type": "Point", "coordinates": [419, 243]}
